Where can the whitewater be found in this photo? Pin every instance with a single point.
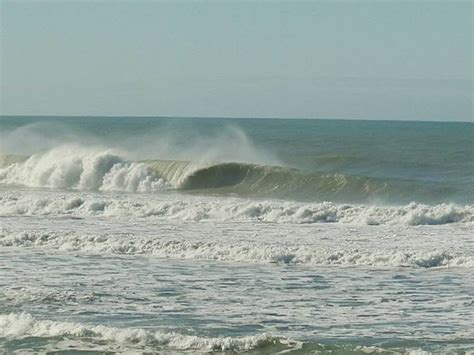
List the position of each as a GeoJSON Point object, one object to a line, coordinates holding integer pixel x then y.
{"type": "Point", "coordinates": [168, 235]}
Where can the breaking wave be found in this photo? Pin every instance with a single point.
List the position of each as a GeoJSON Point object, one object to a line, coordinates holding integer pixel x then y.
{"type": "Point", "coordinates": [106, 170]}
{"type": "Point", "coordinates": [79, 168]}
{"type": "Point", "coordinates": [193, 208]}
{"type": "Point", "coordinates": [20, 326]}
{"type": "Point", "coordinates": [238, 251]}
{"type": "Point", "coordinates": [18, 331]}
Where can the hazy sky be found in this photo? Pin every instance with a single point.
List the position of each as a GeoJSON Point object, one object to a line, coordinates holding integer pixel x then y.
{"type": "Point", "coordinates": [323, 59]}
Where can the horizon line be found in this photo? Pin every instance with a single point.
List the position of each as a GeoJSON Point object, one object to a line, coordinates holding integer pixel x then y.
{"type": "Point", "coordinates": [245, 118]}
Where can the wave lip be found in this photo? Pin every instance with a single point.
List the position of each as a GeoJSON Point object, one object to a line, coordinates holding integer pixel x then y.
{"type": "Point", "coordinates": [107, 170]}
{"type": "Point", "coordinates": [81, 169]}
{"type": "Point", "coordinates": [23, 325]}
{"type": "Point", "coordinates": [254, 180]}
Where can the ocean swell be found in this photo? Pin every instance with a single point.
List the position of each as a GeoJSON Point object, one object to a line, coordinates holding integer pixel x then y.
{"type": "Point", "coordinates": [106, 170]}
{"type": "Point", "coordinates": [262, 181]}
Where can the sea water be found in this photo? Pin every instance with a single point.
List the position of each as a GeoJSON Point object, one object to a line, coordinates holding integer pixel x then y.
{"type": "Point", "coordinates": [236, 235]}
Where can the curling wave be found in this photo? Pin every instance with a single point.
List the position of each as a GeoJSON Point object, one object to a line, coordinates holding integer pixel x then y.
{"type": "Point", "coordinates": [253, 180]}
{"type": "Point", "coordinates": [79, 168]}
{"type": "Point", "coordinates": [105, 170]}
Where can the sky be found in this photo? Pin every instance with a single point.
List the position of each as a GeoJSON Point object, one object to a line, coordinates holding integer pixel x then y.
{"type": "Point", "coordinates": [410, 60]}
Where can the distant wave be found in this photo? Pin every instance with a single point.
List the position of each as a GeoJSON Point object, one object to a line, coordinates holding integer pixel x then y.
{"type": "Point", "coordinates": [106, 170]}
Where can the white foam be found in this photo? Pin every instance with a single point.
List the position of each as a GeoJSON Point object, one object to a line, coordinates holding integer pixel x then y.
{"type": "Point", "coordinates": [83, 169]}
{"type": "Point", "coordinates": [187, 208]}
{"type": "Point", "coordinates": [21, 325]}
{"type": "Point", "coordinates": [239, 251]}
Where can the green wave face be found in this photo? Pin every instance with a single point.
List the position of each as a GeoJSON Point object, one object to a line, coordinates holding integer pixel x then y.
{"type": "Point", "coordinates": [253, 180]}
{"type": "Point", "coordinates": [261, 181]}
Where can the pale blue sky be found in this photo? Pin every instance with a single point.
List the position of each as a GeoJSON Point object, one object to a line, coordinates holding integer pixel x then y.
{"type": "Point", "coordinates": [312, 59]}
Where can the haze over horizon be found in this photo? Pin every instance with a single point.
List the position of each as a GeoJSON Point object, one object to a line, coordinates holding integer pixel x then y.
{"type": "Point", "coordinates": [320, 59]}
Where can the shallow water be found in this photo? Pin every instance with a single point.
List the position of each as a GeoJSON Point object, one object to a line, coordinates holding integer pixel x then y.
{"type": "Point", "coordinates": [346, 307]}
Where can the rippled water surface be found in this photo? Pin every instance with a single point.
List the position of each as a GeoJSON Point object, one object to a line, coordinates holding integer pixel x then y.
{"type": "Point", "coordinates": [345, 306]}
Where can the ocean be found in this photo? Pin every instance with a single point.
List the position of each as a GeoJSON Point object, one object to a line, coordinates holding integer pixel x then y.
{"type": "Point", "coordinates": [220, 235]}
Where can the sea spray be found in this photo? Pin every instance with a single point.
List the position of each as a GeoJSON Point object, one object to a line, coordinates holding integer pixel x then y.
{"type": "Point", "coordinates": [80, 168]}
{"type": "Point", "coordinates": [99, 169]}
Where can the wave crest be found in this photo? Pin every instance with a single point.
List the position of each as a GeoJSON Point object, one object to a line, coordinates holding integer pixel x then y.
{"type": "Point", "coordinates": [191, 208]}
{"type": "Point", "coordinates": [106, 170]}
{"type": "Point", "coordinates": [78, 168]}
{"type": "Point", "coordinates": [253, 252]}
{"type": "Point", "coordinates": [24, 325]}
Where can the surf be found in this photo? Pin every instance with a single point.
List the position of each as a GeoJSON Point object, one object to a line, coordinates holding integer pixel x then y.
{"type": "Point", "coordinates": [108, 170]}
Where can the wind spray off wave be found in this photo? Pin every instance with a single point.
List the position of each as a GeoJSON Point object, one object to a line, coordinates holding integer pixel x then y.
{"type": "Point", "coordinates": [108, 170]}
{"type": "Point", "coordinates": [208, 235]}
{"type": "Point", "coordinates": [80, 168]}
